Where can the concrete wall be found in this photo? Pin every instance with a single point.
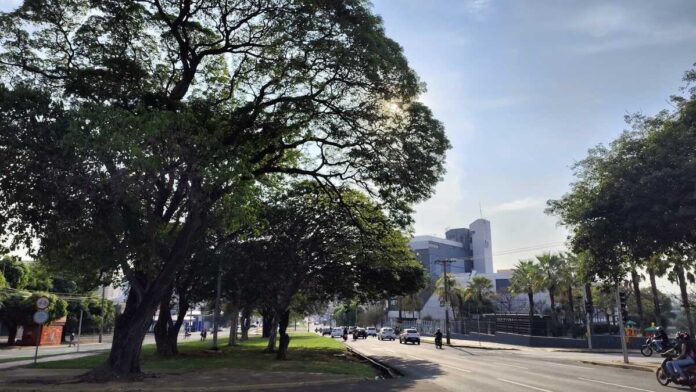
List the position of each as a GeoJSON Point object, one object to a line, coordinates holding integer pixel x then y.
{"type": "Point", "coordinates": [598, 341]}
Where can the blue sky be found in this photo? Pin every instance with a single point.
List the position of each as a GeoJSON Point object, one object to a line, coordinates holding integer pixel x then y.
{"type": "Point", "coordinates": [524, 88]}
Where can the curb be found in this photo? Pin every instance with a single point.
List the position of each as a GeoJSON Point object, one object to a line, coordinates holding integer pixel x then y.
{"type": "Point", "coordinates": [387, 370]}
{"type": "Point", "coordinates": [644, 368]}
{"type": "Point", "coordinates": [474, 347]}
{"type": "Point", "coordinates": [244, 387]}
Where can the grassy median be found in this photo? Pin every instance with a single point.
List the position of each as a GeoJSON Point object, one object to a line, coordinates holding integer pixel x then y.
{"type": "Point", "coordinates": [307, 353]}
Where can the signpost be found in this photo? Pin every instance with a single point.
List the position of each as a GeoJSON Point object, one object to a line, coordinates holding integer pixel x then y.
{"type": "Point", "coordinates": [40, 317]}
{"type": "Point", "coordinates": [42, 303]}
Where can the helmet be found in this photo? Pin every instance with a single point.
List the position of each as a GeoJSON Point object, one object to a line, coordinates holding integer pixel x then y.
{"type": "Point", "coordinates": [659, 329]}
{"type": "Point", "coordinates": [683, 335]}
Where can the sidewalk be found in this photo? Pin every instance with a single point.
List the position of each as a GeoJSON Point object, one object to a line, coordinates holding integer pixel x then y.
{"type": "Point", "coordinates": [50, 358]}
{"type": "Point", "coordinates": [174, 381]}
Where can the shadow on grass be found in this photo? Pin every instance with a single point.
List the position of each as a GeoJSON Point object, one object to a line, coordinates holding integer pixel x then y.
{"type": "Point", "coordinates": [307, 353]}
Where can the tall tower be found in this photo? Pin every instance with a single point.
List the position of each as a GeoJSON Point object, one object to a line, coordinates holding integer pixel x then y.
{"type": "Point", "coordinates": [481, 245]}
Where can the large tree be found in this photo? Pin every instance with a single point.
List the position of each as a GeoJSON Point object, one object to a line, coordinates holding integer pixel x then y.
{"type": "Point", "coordinates": [633, 200]}
{"type": "Point", "coordinates": [308, 243]}
{"type": "Point", "coordinates": [125, 122]}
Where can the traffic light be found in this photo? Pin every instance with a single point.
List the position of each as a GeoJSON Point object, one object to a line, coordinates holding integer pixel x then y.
{"type": "Point", "coordinates": [622, 304]}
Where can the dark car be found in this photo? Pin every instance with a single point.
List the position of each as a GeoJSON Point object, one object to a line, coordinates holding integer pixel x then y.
{"type": "Point", "coordinates": [360, 333]}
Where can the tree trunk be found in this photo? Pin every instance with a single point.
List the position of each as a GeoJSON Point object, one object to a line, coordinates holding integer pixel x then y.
{"type": "Point", "coordinates": [656, 297]}
{"type": "Point", "coordinates": [270, 347]}
{"type": "Point", "coordinates": [129, 332]}
{"type": "Point", "coordinates": [267, 316]}
{"type": "Point", "coordinates": [233, 328]}
{"type": "Point", "coordinates": [635, 279]}
{"type": "Point", "coordinates": [684, 297]}
{"type": "Point", "coordinates": [11, 333]}
{"type": "Point", "coordinates": [246, 323]}
{"type": "Point", "coordinates": [571, 305]}
{"type": "Point", "coordinates": [163, 340]}
{"type": "Point", "coordinates": [530, 296]}
{"type": "Point", "coordinates": [284, 337]}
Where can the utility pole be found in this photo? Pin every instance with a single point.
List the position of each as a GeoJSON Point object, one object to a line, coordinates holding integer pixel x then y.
{"type": "Point", "coordinates": [622, 334]}
{"type": "Point", "coordinates": [447, 302]}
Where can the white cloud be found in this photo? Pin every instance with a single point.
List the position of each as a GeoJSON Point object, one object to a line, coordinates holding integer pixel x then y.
{"type": "Point", "coordinates": [610, 27]}
{"type": "Point", "coordinates": [478, 8]}
{"type": "Point", "coordinates": [519, 204]}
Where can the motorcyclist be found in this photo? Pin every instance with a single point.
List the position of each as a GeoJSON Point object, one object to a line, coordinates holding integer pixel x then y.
{"type": "Point", "coordinates": [661, 339]}
{"type": "Point", "coordinates": [345, 333]}
{"type": "Point", "coordinates": [686, 357]}
{"type": "Point", "coordinates": [438, 338]}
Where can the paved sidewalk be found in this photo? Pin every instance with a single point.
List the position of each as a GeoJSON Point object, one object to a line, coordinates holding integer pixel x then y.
{"type": "Point", "coordinates": [57, 357]}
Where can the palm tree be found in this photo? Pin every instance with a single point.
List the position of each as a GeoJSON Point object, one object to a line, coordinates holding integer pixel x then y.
{"type": "Point", "coordinates": [550, 265]}
{"type": "Point", "coordinates": [527, 278]}
{"type": "Point", "coordinates": [568, 277]}
{"type": "Point", "coordinates": [479, 290]}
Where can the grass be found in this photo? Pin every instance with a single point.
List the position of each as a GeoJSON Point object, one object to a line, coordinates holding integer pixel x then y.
{"type": "Point", "coordinates": [307, 353]}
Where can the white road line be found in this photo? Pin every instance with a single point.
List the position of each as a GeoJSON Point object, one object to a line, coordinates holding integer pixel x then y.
{"type": "Point", "coordinates": [615, 385]}
{"type": "Point", "coordinates": [523, 385]}
{"type": "Point", "coordinates": [509, 365]}
{"type": "Point", "coordinates": [560, 364]}
{"type": "Point", "coordinates": [456, 368]}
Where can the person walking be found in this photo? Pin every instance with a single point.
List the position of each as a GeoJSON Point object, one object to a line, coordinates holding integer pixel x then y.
{"type": "Point", "coordinates": [71, 341]}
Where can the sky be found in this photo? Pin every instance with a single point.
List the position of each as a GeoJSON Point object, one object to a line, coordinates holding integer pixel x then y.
{"type": "Point", "coordinates": [524, 89]}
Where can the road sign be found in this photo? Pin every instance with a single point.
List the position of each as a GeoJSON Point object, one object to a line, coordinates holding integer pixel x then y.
{"type": "Point", "coordinates": [40, 317]}
{"type": "Point", "coordinates": [42, 303]}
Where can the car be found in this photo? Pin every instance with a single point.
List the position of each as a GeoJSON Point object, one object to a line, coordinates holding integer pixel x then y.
{"type": "Point", "coordinates": [386, 333]}
{"type": "Point", "coordinates": [360, 333]}
{"type": "Point", "coordinates": [409, 335]}
{"type": "Point", "coordinates": [351, 329]}
{"type": "Point", "coordinates": [337, 332]}
{"type": "Point", "coordinates": [326, 331]}
{"type": "Point", "coordinates": [371, 331]}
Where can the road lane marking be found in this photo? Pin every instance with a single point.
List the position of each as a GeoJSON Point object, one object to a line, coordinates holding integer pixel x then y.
{"type": "Point", "coordinates": [509, 365]}
{"type": "Point", "coordinates": [456, 368]}
{"type": "Point", "coordinates": [615, 385]}
{"type": "Point", "coordinates": [523, 385]}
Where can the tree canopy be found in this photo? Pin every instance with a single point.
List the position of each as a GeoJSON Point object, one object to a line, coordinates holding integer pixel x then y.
{"type": "Point", "coordinates": [126, 122]}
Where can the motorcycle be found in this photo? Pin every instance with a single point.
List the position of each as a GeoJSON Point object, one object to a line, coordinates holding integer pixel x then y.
{"type": "Point", "coordinates": [345, 337]}
{"type": "Point", "coordinates": [651, 345]}
{"type": "Point", "coordinates": [438, 343]}
{"type": "Point", "coordinates": [664, 378]}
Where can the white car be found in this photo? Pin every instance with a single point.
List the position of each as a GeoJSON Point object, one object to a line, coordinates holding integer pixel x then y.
{"type": "Point", "coordinates": [410, 335]}
{"type": "Point", "coordinates": [337, 332]}
{"type": "Point", "coordinates": [386, 333]}
{"type": "Point", "coordinates": [371, 331]}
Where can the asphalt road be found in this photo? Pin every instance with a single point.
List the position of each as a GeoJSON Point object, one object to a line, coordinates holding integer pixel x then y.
{"type": "Point", "coordinates": [456, 369]}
